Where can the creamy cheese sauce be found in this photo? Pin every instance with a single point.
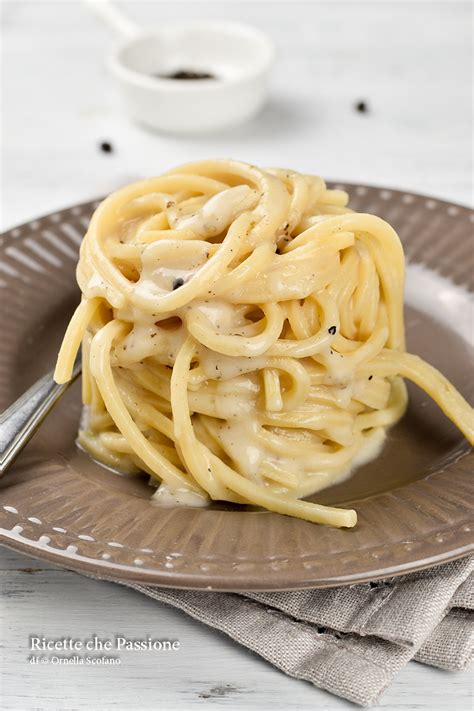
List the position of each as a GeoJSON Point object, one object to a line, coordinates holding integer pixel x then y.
{"type": "Point", "coordinates": [219, 211]}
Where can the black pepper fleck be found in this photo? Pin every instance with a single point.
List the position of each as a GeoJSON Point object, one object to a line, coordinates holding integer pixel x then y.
{"type": "Point", "coordinates": [370, 377]}
{"type": "Point", "coordinates": [106, 147]}
{"type": "Point", "coordinates": [362, 107]}
{"type": "Point", "coordinates": [177, 283]}
{"type": "Point", "coordinates": [332, 330]}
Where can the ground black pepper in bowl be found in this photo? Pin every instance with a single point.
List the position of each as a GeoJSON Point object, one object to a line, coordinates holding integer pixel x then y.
{"type": "Point", "coordinates": [186, 74]}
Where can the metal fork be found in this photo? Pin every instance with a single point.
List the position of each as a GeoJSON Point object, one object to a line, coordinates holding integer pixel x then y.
{"type": "Point", "coordinates": [19, 423]}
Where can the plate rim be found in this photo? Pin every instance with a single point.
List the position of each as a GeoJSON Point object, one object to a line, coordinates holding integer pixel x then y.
{"type": "Point", "coordinates": [115, 571]}
{"type": "Point", "coordinates": [192, 582]}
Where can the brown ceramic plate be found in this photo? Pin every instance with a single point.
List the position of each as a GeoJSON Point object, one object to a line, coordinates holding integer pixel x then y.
{"type": "Point", "coordinates": [415, 502]}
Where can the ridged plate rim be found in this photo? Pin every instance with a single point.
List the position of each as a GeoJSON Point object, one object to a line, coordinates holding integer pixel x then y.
{"type": "Point", "coordinates": [21, 530]}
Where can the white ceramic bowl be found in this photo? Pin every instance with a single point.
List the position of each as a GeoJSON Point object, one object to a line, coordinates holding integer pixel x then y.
{"type": "Point", "coordinates": [239, 57]}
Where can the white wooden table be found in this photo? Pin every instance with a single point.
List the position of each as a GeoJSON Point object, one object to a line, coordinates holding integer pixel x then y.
{"type": "Point", "coordinates": [410, 62]}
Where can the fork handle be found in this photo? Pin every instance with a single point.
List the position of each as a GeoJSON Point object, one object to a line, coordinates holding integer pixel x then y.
{"type": "Point", "coordinates": [21, 420]}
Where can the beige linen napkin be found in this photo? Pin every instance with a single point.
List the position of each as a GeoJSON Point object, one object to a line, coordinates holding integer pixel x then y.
{"type": "Point", "coordinates": [350, 641]}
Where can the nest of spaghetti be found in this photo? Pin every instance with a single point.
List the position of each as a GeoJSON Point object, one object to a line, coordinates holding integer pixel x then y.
{"type": "Point", "coordinates": [242, 338]}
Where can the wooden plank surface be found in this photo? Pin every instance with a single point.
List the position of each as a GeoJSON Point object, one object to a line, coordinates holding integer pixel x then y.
{"type": "Point", "coordinates": [208, 671]}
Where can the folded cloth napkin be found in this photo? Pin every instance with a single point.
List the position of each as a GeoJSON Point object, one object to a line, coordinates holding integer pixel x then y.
{"type": "Point", "coordinates": [350, 641]}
